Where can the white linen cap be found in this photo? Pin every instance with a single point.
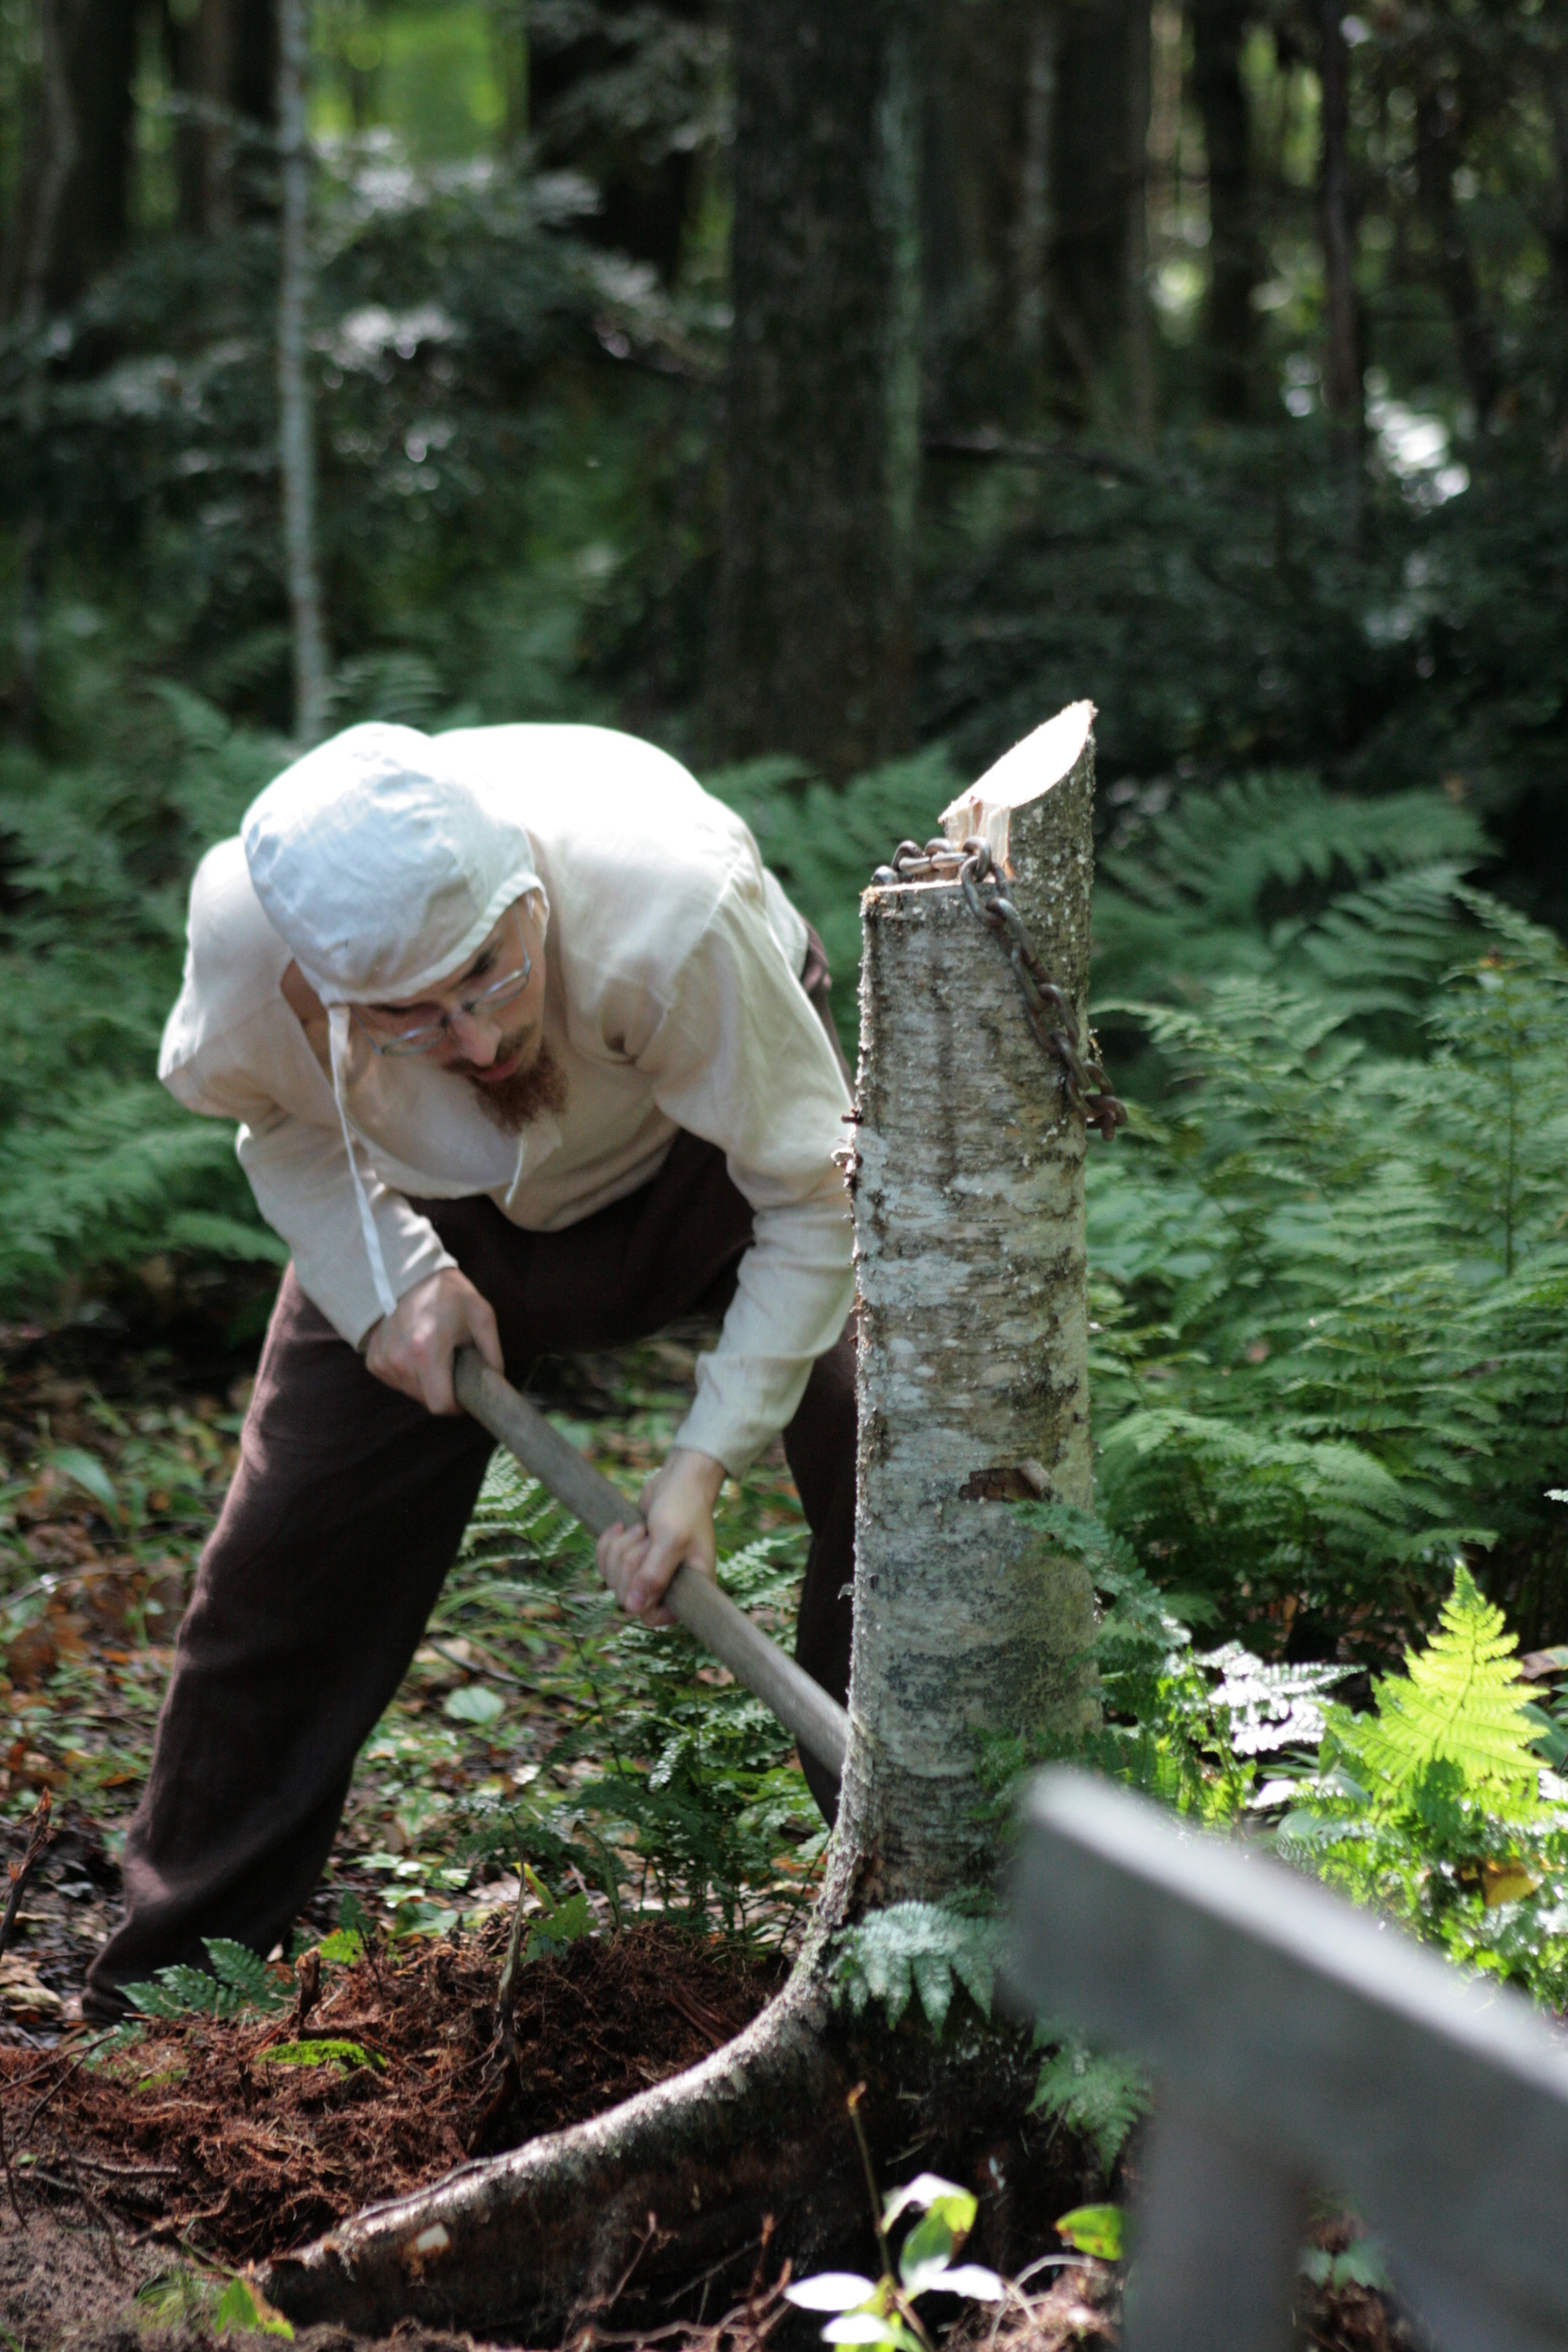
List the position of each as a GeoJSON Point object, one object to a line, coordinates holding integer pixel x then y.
{"type": "Point", "coordinates": [382, 872]}
{"type": "Point", "coordinates": [380, 869]}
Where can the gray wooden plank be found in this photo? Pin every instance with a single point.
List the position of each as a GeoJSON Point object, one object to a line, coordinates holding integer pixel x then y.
{"type": "Point", "coordinates": [1438, 2106]}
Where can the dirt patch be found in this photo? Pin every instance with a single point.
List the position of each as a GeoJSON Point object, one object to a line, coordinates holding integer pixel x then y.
{"type": "Point", "coordinates": [201, 2133]}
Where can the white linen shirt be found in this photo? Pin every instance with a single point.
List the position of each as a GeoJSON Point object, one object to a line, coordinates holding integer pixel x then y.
{"type": "Point", "coordinates": [672, 1001]}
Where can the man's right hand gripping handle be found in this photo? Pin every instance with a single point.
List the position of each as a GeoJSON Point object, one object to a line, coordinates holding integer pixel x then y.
{"type": "Point", "coordinates": [412, 1348]}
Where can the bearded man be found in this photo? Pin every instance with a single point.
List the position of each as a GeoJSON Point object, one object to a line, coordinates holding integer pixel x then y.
{"type": "Point", "coordinates": [530, 1053]}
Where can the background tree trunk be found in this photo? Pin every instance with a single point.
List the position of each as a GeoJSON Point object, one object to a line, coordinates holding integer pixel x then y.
{"type": "Point", "coordinates": [811, 644]}
{"type": "Point", "coordinates": [1230, 322]}
{"type": "Point", "coordinates": [1440, 144]}
{"type": "Point", "coordinates": [1343, 392]}
{"type": "Point", "coordinates": [1141, 391]}
{"type": "Point", "coordinates": [224, 63]}
{"type": "Point", "coordinates": [1092, 186]}
{"type": "Point", "coordinates": [970, 1255]}
{"type": "Point", "coordinates": [297, 435]}
{"type": "Point", "coordinates": [72, 214]}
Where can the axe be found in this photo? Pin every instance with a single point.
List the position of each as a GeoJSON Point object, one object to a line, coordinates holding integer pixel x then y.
{"type": "Point", "coordinates": [817, 1722]}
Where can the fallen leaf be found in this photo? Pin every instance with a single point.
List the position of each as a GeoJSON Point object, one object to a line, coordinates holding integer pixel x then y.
{"type": "Point", "coordinates": [23, 1991]}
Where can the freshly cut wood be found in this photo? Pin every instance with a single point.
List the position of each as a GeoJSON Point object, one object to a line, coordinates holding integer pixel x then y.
{"type": "Point", "coordinates": [967, 1176]}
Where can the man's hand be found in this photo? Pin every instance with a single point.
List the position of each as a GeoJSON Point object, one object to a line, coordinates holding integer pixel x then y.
{"type": "Point", "coordinates": [677, 1505]}
{"type": "Point", "coordinates": [412, 1348]}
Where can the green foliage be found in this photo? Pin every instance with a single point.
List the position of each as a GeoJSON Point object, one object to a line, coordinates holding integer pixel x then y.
{"type": "Point", "coordinates": [881, 2311]}
{"type": "Point", "coordinates": [239, 2308]}
{"type": "Point", "coordinates": [1329, 1272]}
{"type": "Point", "coordinates": [240, 1980]}
{"type": "Point", "coordinates": [924, 1949]}
{"type": "Point", "coordinates": [1185, 1724]}
{"type": "Point", "coordinates": [824, 843]}
{"type": "Point", "coordinates": [99, 1168]}
{"type": "Point", "coordinates": [1435, 1805]}
{"type": "Point", "coordinates": [664, 1782]}
{"type": "Point", "coordinates": [1226, 881]}
{"type": "Point", "coordinates": [332, 2050]}
{"type": "Point", "coordinates": [1097, 2230]}
{"type": "Point", "coordinates": [1100, 2093]}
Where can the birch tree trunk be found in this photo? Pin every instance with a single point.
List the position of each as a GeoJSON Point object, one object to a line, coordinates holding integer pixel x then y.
{"type": "Point", "coordinates": [970, 1262]}
{"type": "Point", "coordinates": [968, 1183]}
{"type": "Point", "coordinates": [296, 438]}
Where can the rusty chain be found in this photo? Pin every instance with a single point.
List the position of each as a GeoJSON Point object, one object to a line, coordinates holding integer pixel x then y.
{"type": "Point", "coordinates": [1045, 1008]}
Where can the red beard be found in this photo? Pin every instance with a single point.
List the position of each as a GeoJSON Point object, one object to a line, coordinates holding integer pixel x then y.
{"type": "Point", "coordinates": [511, 1104]}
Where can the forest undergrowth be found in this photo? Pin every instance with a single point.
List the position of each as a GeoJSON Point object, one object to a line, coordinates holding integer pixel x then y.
{"type": "Point", "coordinates": [1328, 1273]}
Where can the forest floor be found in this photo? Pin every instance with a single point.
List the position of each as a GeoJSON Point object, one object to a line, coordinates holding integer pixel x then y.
{"type": "Point", "coordinates": [670, 1844]}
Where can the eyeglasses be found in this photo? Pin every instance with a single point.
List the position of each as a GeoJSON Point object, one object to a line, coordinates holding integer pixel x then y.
{"type": "Point", "coordinates": [425, 1035]}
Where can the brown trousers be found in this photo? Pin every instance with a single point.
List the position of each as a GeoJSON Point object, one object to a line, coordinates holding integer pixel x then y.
{"type": "Point", "coordinates": [346, 1511]}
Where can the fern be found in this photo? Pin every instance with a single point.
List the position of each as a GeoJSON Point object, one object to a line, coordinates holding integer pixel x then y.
{"type": "Point", "coordinates": [1459, 1703]}
{"type": "Point", "coordinates": [824, 843]}
{"type": "Point", "coordinates": [1329, 1275]}
{"type": "Point", "coordinates": [1100, 2093]}
{"type": "Point", "coordinates": [1189, 898]}
{"type": "Point", "coordinates": [922, 1950]}
{"type": "Point", "coordinates": [1436, 1808]}
{"type": "Point", "coordinates": [239, 1980]}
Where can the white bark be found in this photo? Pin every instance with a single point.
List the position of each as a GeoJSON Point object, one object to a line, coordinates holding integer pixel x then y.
{"type": "Point", "coordinates": [295, 437]}
{"type": "Point", "coordinates": [970, 1255]}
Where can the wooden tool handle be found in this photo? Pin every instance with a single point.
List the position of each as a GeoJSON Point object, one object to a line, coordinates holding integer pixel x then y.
{"type": "Point", "coordinates": [802, 1705]}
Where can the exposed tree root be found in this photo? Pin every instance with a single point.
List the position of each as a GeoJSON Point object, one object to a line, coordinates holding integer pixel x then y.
{"type": "Point", "coordinates": [641, 2210]}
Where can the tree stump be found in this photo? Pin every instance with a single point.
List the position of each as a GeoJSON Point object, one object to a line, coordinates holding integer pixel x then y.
{"type": "Point", "coordinates": [967, 1174]}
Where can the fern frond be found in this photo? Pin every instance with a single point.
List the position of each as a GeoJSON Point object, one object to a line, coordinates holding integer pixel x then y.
{"type": "Point", "coordinates": [1458, 1703]}
{"type": "Point", "coordinates": [918, 1950]}
{"type": "Point", "coordinates": [246, 1973]}
{"type": "Point", "coordinates": [1100, 2093]}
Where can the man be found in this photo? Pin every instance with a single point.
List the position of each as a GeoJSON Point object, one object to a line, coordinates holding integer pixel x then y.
{"type": "Point", "coordinates": [528, 1052]}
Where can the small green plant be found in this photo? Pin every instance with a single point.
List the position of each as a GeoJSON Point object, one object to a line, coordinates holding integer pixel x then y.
{"type": "Point", "coordinates": [184, 2297]}
{"type": "Point", "coordinates": [341, 2056]}
{"type": "Point", "coordinates": [1437, 1805]}
{"type": "Point", "coordinates": [1361, 2264]}
{"type": "Point", "coordinates": [882, 2311]}
{"type": "Point", "coordinates": [923, 1950]}
{"type": "Point", "coordinates": [560, 1920]}
{"type": "Point", "coordinates": [240, 1980]}
{"type": "Point", "coordinates": [1100, 2093]}
{"type": "Point", "coordinates": [691, 1790]}
{"type": "Point", "coordinates": [1097, 2230]}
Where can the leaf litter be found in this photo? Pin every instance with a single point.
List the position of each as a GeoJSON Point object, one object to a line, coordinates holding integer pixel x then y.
{"type": "Point", "coordinates": [245, 2136]}
{"type": "Point", "coordinates": [160, 2160]}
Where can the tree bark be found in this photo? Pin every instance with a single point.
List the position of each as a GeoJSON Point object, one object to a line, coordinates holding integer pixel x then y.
{"type": "Point", "coordinates": [1440, 146]}
{"type": "Point", "coordinates": [297, 436]}
{"type": "Point", "coordinates": [1094, 180]}
{"type": "Point", "coordinates": [810, 650]}
{"type": "Point", "coordinates": [1230, 335]}
{"type": "Point", "coordinates": [72, 215]}
{"type": "Point", "coordinates": [970, 1262]}
{"type": "Point", "coordinates": [968, 1188]}
{"type": "Point", "coordinates": [224, 64]}
{"type": "Point", "coordinates": [1031, 302]}
{"type": "Point", "coordinates": [1343, 392]}
{"type": "Point", "coordinates": [1140, 321]}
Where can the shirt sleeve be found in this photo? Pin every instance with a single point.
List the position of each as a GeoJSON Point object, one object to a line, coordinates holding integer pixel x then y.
{"type": "Point", "coordinates": [299, 1175]}
{"type": "Point", "coordinates": [742, 1059]}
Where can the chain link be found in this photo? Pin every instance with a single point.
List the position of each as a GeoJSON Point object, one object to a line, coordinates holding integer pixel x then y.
{"type": "Point", "coordinates": [1045, 1008]}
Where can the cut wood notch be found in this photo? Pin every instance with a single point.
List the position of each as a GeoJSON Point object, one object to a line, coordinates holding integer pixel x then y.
{"type": "Point", "coordinates": [801, 1705]}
